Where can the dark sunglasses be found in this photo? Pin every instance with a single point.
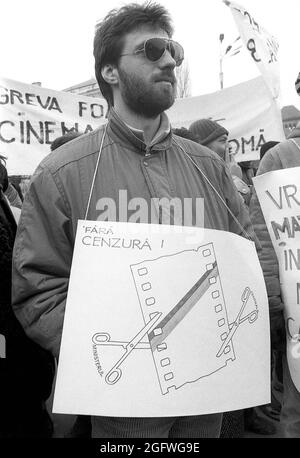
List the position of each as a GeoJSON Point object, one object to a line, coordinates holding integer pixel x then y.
{"type": "Point", "coordinates": [154, 49]}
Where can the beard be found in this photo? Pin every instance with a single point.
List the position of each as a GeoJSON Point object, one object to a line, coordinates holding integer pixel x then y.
{"type": "Point", "coordinates": [146, 99]}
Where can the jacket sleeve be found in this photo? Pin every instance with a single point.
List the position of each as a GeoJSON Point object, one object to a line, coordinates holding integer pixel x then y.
{"type": "Point", "coordinates": [42, 261]}
{"type": "Point", "coordinates": [267, 255]}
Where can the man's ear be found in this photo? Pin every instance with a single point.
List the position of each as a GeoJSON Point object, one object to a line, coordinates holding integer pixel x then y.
{"type": "Point", "coordinates": [110, 74]}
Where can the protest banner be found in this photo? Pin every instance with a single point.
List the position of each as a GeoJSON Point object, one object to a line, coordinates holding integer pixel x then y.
{"type": "Point", "coordinates": [279, 197]}
{"type": "Point", "coordinates": [164, 325]}
{"type": "Point", "coordinates": [31, 117]}
{"type": "Point", "coordinates": [246, 110]}
{"type": "Point", "coordinates": [262, 46]}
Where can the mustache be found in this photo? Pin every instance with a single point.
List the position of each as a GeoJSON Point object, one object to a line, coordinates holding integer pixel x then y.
{"type": "Point", "coordinates": [166, 76]}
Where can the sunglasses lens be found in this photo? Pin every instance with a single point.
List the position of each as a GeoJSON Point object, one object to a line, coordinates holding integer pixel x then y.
{"type": "Point", "coordinates": [154, 48]}
{"type": "Point", "coordinates": [177, 52]}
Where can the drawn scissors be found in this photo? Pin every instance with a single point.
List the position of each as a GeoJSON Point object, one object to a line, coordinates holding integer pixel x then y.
{"type": "Point", "coordinates": [251, 317]}
{"type": "Point", "coordinates": [103, 338]}
{"type": "Point", "coordinates": [115, 373]}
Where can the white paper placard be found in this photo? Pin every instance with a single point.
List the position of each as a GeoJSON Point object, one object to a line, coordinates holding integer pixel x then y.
{"type": "Point", "coordinates": [279, 197]}
{"type": "Point", "coordinates": [163, 321]}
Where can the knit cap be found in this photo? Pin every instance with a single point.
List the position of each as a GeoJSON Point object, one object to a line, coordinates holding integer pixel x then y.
{"type": "Point", "coordinates": [206, 130]}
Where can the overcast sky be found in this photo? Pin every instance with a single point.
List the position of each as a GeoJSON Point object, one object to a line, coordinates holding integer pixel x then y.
{"type": "Point", "coordinates": [52, 42]}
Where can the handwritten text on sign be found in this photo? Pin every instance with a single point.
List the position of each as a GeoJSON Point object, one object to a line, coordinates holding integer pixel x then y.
{"type": "Point", "coordinates": [279, 197]}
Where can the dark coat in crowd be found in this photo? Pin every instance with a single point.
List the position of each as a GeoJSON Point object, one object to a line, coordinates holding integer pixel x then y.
{"type": "Point", "coordinates": [26, 370]}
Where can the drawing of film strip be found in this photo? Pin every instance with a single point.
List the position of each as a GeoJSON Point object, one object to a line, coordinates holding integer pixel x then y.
{"type": "Point", "coordinates": [205, 293]}
{"type": "Point", "coordinates": [217, 301]}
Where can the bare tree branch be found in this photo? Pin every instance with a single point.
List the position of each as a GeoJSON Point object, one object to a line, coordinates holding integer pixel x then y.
{"type": "Point", "coordinates": [183, 80]}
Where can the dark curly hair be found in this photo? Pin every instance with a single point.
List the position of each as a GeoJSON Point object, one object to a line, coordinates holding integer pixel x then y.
{"type": "Point", "coordinates": [110, 33]}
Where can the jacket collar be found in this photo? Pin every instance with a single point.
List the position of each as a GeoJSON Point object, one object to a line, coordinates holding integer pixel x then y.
{"type": "Point", "coordinates": [130, 136]}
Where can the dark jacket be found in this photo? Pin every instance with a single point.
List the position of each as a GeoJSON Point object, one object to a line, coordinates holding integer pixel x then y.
{"type": "Point", "coordinates": [26, 369]}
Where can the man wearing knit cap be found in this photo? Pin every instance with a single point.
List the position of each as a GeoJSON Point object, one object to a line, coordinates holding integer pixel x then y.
{"type": "Point", "coordinates": [211, 134]}
{"type": "Point", "coordinates": [215, 137]}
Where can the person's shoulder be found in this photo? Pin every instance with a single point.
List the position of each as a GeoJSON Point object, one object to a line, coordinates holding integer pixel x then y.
{"type": "Point", "coordinates": [74, 150]}
{"type": "Point", "coordinates": [283, 155]}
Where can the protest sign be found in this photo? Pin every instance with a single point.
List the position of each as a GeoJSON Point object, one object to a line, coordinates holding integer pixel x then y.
{"type": "Point", "coordinates": [279, 197]}
{"type": "Point", "coordinates": [262, 46]}
{"type": "Point", "coordinates": [31, 117]}
{"type": "Point", "coordinates": [246, 110]}
{"type": "Point", "coordinates": [163, 321]}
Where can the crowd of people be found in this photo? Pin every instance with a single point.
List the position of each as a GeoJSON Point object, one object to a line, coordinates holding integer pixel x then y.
{"type": "Point", "coordinates": [138, 151]}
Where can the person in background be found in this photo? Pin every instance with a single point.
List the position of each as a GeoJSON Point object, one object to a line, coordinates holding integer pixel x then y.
{"type": "Point", "coordinates": [12, 194]}
{"type": "Point", "coordinates": [255, 420]}
{"type": "Point", "coordinates": [283, 155]}
{"type": "Point", "coordinates": [135, 60]}
{"type": "Point", "coordinates": [16, 183]}
{"type": "Point", "coordinates": [265, 147]}
{"type": "Point", "coordinates": [184, 133]}
{"type": "Point", "coordinates": [249, 168]}
{"type": "Point", "coordinates": [61, 140]}
{"type": "Point", "coordinates": [215, 137]}
{"type": "Point", "coordinates": [273, 410]}
{"type": "Point", "coordinates": [212, 135]}
{"type": "Point", "coordinates": [26, 369]}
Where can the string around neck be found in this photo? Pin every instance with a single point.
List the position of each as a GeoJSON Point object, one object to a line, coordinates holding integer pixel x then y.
{"type": "Point", "coordinates": [95, 173]}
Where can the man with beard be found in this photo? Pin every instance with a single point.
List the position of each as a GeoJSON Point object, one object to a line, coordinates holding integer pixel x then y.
{"type": "Point", "coordinates": [135, 152]}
